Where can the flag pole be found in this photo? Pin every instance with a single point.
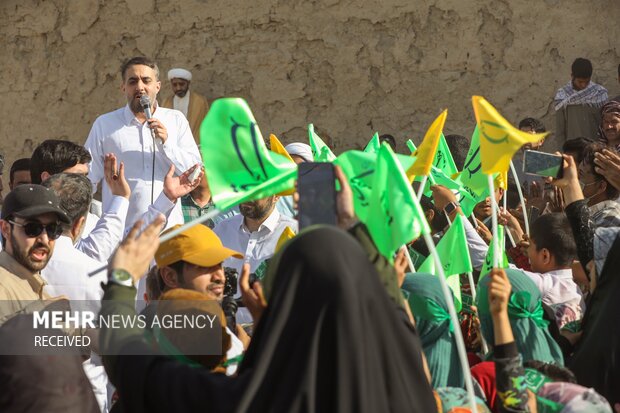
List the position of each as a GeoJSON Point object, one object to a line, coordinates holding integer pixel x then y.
{"type": "Point", "coordinates": [421, 188]}
{"type": "Point", "coordinates": [525, 218]}
{"type": "Point", "coordinates": [408, 256]}
{"type": "Point", "coordinates": [494, 207]}
{"type": "Point", "coordinates": [211, 214]}
{"type": "Point", "coordinates": [458, 335]}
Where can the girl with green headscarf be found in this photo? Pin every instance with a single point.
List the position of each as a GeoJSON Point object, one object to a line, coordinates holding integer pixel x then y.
{"type": "Point", "coordinates": [526, 319]}
{"type": "Point", "coordinates": [436, 332]}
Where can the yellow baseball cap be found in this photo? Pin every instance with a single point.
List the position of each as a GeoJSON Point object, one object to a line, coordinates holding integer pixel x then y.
{"type": "Point", "coordinates": [197, 245]}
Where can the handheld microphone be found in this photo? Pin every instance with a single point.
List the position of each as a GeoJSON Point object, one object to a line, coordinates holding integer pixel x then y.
{"type": "Point", "coordinates": [145, 102]}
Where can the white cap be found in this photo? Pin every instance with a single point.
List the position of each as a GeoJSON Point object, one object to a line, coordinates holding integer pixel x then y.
{"type": "Point", "coordinates": [179, 73]}
{"type": "Point", "coordinates": [300, 149]}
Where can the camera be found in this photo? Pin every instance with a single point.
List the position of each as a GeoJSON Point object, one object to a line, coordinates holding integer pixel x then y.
{"type": "Point", "coordinates": [229, 304]}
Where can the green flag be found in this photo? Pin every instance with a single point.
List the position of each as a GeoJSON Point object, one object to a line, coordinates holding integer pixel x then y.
{"type": "Point", "coordinates": [394, 214]}
{"type": "Point", "coordinates": [320, 150]}
{"type": "Point", "coordinates": [454, 255]}
{"type": "Point", "coordinates": [488, 262]}
{"type": "Point", "coordinates": [411, 146]}
{"type": "Point", "coordinates": [238, 165]}
{"type": "Point", "coordinates": [374, 144]}
{"type": "Point", "coordinates": [443, 158]}
{"type": "Point", "coordinates": [359, 168]}
{"type": "Point", "coordinates": [472, 177]}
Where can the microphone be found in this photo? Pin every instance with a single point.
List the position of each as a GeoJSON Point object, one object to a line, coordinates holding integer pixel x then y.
{"type": "Point", "coordinates": [145, 102]}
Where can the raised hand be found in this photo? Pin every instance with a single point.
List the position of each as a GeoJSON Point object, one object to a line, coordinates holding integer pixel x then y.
{"type": "Point", "coordinates": [607, 163]}
{"type": "Point", "coordinates": [252, 296]}
{"type": "Point", "coordinates": [177, 186]}
{"type": "Point", "coordinates": [115, 176]}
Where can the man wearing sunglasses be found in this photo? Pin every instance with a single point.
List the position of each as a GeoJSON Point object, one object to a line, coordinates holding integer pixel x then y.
{"type": "Point", "coordinates": [31, 221]}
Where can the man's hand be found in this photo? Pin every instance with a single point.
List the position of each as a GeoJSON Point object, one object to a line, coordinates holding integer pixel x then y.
{"type": "Point", "coordinates": [442, 196]}
{"type": "Point", "coordinates": [177, 186]}
{"type": "Point", "coordinates": [344, 201]}
{"type": "Point", "coordinates": [160, 130]}
{"type": "Point", "coordinates": [137, 250]}
{"type": "Point", "coordinates": [524, 244]}
{"type": "Point", "coordinates": [569, 182]}
{"type": "Point", "coordinates": [483, 231]}
{"type": "Point", "coordinates": [252, 297]}
{"type": "Point", "coordinates": [607, 164]}
{"type": "Point", "coordinates": [507, 219]}
{"type": "Point", "coordinates": [115, 178]}
{"type": "Point", "coordinates": [499, 292]}
{"type": "Point", "coordinates": [557, 203]}
{"type": "Point", "coordinates": [401, 265]}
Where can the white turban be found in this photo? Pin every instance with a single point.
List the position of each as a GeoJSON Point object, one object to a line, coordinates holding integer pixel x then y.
{"type": "Point", "coordinates": [300, 149]}
{"type": "Point", "coordinates": [179, 73]}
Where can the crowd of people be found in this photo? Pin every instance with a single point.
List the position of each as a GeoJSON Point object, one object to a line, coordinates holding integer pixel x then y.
{"type": "Point", "coordinates": [316, 319]}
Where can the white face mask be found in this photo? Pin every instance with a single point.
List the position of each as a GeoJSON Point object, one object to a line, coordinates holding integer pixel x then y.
{"type": "Point", "coordinates": [583, 186]}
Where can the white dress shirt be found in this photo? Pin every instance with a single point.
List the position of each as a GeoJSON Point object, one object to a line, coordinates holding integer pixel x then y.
{"type": "Point", "coordinates": [560, 292]}
{"type": "Point", "coordinates": [119, 132]}
{"type": "Point", "coordinates": [107, 233]}
{"type": "Point", "coordinates": [477, 247]}
{"type": "Point", "coordinates": [67, 273]}
{"type": "Point", "coordinates": [256, 246]}
{"type": "Point", "coordinates": [181, 104]}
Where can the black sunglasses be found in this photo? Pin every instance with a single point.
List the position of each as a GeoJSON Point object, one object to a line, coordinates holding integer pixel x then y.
{"type": "Point", "coordinates": [34, 229]}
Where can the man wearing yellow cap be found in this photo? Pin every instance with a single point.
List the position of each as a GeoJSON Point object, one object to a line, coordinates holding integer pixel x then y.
{"type": "Point", "coordinates": [191, 104]}
{"type": "Point", "coordinates": [193, 261]}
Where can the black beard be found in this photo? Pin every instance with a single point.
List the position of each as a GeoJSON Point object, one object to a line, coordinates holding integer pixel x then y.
{"type": "Point", "coordinates": [253, 211]}
{"type": "Point", "coordinates": [24, 258]}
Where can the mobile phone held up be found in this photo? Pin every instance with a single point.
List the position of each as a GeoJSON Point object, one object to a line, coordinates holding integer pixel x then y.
{"type": "Point", "coordinates": [542, 164]}
{"type": "Point", "coordinates": [316, 185]}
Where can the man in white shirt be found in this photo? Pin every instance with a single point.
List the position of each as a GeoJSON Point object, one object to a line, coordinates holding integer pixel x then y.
{"type": "Point", "coordinates": [126, 132]}
{"type": "Point", "coordinates": [254, 232]}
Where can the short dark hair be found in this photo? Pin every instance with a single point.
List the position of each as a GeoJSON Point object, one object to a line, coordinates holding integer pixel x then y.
{"type": "Point", "coordinates": [54, 156]}
{"type": "Point", "coordinates": [389, 139]}
{"type": "Point", "coordinates": [74, 191]}
{"type": "Point", "coordinates": [588, 160]}
{"type": "Point", "coordinates": [576, 146]}
{"type": "Point", "coordinates": [139, 60]}
{"type": "Point", "coordinates": [553, 232]}
{"type": "Point", "coordinates": [534, 124]}
{"type": "Point", "coordinates": [439, 221]}
{"type": "Point", "coordinates": [22, 164]}
{"type": "Point", "coordinates": [581, 68]}
{"type": "Point", "coordinates": [553, 371]}
{"type": "Point", "coordinates": [459, 146]}
{"type": "Point", "coordinates": [178, 267]}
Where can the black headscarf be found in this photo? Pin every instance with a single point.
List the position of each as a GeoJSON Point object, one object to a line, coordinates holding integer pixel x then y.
{"type": "Point", "coordinates": [596, 360]}
{"type": "Point", "coordinates": [331, 339]}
